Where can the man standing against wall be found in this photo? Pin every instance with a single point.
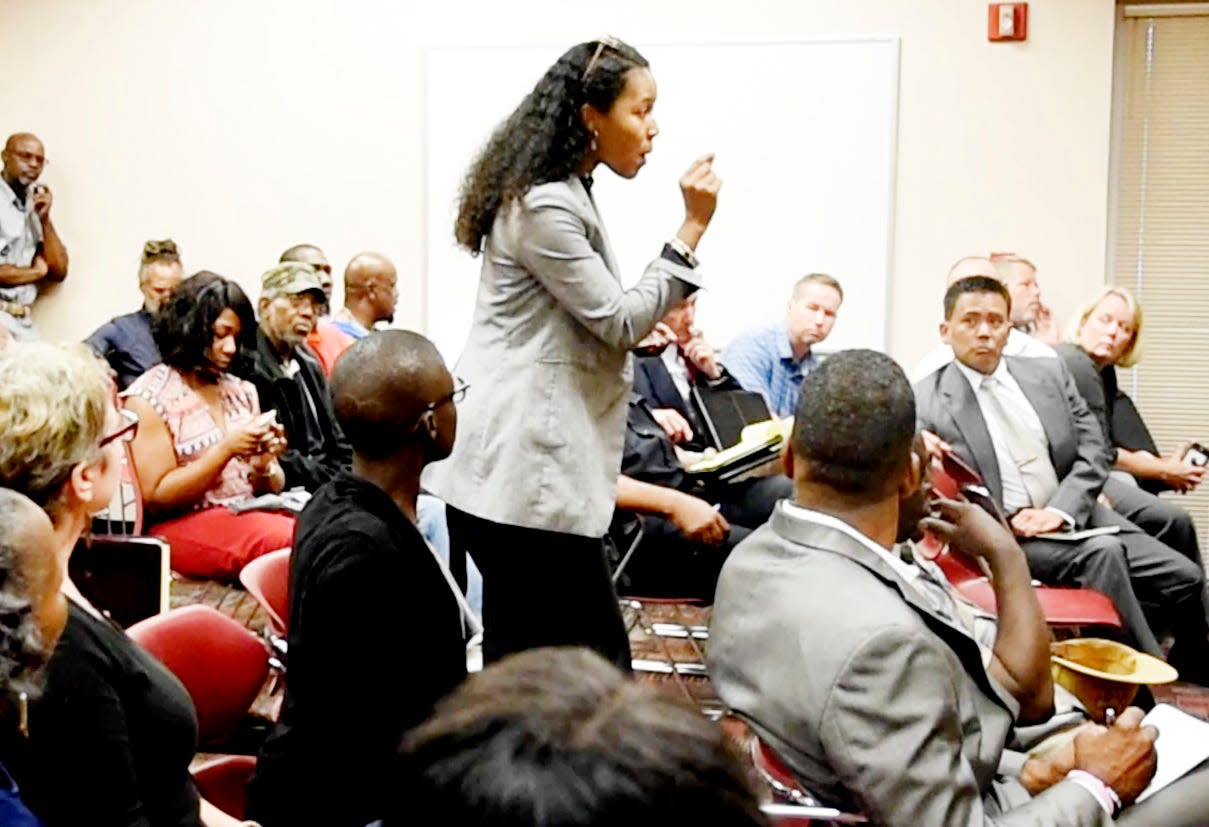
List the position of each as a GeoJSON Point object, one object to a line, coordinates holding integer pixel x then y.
{"type": "Point", "coordinates": [30, 249]}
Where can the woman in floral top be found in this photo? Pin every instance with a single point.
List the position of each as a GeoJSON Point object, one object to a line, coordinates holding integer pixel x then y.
{"type": "Point", "coordinates": [203, 444]}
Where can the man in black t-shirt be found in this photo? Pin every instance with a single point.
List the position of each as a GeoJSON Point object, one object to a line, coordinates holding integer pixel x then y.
{"type": "Point", "coordinates": [377, 629]}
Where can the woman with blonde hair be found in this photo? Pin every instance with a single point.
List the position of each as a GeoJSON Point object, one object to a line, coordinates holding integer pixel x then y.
{"type": "Point", "coordinates": [111, 738]}
{"type": "Point", "coordinates": [1105, 334]}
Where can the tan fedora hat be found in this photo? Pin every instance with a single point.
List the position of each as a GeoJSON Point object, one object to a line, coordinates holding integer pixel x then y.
{"type": "Point", "coordinates": [1104, 674]}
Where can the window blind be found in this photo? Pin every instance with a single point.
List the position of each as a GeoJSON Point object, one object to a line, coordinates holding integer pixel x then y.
{"type": "Point", "coordinates": [1161, 206]}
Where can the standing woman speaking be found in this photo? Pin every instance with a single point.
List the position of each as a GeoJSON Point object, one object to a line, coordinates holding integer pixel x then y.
{"type": "Point", "coordinates": [531, 482]}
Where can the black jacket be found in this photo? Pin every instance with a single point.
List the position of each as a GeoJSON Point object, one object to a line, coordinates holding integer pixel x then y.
{"type": "Point", "coordinates": [308, 469]}
{"type": "Point", "coordinates": [1118, 416]}
{"type": "Point", "coordinates": [375, 640]}
{"type": "Point", "coordinates": [655, 384]}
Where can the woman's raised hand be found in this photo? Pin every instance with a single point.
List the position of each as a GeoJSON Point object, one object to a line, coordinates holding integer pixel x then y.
{"type": "Point", "coordinates": [699, 186]}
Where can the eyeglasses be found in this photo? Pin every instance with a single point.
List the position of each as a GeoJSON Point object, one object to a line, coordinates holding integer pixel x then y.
{"type": "Point", "coordinates": [608, 41]}
{"type": "Point", "coordinates": [455, 396]}
{"type": "Point", "coordinates": [130, 427]}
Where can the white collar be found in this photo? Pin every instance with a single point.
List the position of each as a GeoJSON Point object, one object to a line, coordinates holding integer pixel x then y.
{"type": "Point", "coordinates": [903, 569]}
{"type": "Point", "coordinates": [975, 378]}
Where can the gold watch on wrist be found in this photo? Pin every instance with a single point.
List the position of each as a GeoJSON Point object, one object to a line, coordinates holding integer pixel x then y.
{"type": "Point", "coordinates": [685, 252]}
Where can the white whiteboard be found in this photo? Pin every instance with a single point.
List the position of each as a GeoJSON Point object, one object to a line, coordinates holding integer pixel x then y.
{"type": "Point", "coordinates": [805, 138]}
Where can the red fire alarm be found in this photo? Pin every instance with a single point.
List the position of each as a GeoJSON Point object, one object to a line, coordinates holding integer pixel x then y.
{"type": "Point", "coordinates": [1007, 21]}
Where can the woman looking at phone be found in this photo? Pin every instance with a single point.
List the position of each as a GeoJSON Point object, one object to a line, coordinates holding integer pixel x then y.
{"type": "Point", "coordinates": [531, 482]}
{"type": "Point", "coordinates": [204, 444]}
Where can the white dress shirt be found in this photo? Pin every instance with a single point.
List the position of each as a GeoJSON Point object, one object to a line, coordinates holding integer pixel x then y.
{"type": "Point", "coordinates": [1015, 492]}
{"type": "Point", "coordinates": [677, 368]}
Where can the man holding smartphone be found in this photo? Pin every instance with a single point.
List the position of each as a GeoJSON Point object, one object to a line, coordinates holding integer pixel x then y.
{"type": "Point", "coordinates": [30, 249]}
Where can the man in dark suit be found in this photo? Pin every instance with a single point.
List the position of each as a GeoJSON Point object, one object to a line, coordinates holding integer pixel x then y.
{"type": "Point", "coordinates": [690, 524]}
{"type": "Point", "coordinates": [1022, 424]}
{"type": "Point", "coordinates": [665, 381]}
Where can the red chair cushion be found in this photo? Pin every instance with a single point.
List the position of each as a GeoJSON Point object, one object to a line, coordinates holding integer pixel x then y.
{"type": "Point", "coordinates": [222, 665]}
{"type": "Point", "coordinates": [224, 782]}
{"type": "Point", "coordinates": [1061, 606]}
{"type": "Point", "coordinates": [267, 578]}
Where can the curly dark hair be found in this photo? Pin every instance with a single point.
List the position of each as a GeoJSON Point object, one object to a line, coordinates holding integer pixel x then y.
{"type": "Point", "coordinates": [184, 327]}
{"type": "Point", "coordinates": [545, 138]}
{"type": "Point", "coordinates": [558, 736]}
{"type": "Point", "coordinates": [23, 652]}
{"type": "Point", "coordinates": [855, 423]}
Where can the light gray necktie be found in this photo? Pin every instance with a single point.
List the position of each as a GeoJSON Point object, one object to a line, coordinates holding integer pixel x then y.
{"type": "Point", "coordinates": [1029, 452]}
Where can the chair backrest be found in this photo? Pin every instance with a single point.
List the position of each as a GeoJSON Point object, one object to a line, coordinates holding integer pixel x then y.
{"type": "Point", "coordinates": [948, 477]}
{"type": "Point", "coordinates": [267, 578]}
{"type": "Point", "coordinates": [803, 808]}
{"type": "Point", "coordinates": [224, 782]}
{"type": "Point", "coordinates": [124, 514]}
{"type": "Point", "coordinates": [222, 665]}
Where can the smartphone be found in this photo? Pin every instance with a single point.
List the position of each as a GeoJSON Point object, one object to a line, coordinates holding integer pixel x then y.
{"type": "Point", "coordinates": [1196, 455]}
{"type": "Point", "coordinates": [978, 495]}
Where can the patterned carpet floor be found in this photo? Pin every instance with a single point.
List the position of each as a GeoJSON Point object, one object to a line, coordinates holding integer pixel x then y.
{"type": "Point", "coordinates": [672, 661]}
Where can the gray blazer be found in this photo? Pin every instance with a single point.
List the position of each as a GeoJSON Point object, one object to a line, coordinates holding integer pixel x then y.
{"type": "Point", "coordinates": [548, 361]}
{"type": "Point", "coordinates": [945, 404]}
{"type": "Point", "coordinates": [872, 699]}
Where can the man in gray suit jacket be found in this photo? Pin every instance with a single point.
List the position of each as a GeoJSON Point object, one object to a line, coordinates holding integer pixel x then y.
{"type": "Point", "coordinates": [869, 685]}
{"type": "Point", "coordinates": [1022, 424]}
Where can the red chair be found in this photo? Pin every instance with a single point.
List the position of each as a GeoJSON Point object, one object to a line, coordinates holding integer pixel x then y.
{"type": "Point", "coordinates": [222, 665]}
{"type": "Point", "coordinates": [224, 782]}
{"type": "Point", "coordinates": [1064, 607]}
{"type": "Point", "coordinates": [796, 807]}
{"type": "Point", "coordinates": [267, 578]}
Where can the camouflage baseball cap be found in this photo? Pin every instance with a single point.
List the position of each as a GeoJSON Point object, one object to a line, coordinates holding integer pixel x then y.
{"type": "Point", "coordinates": [291, 277]}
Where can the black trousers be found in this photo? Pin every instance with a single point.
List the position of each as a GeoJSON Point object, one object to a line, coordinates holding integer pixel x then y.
{"type": "Point", "coordinates": [1152, 585]}
{"type": "Point", "coordinates": [1162, 519]}
{"type": "Point", "coordinates": [540, 588]}
{"type": "Point", "coordinates": [667, 564]}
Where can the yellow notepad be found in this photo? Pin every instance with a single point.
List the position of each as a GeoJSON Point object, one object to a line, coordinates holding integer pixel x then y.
{"type": "Point", "coordinates": [755, 437]}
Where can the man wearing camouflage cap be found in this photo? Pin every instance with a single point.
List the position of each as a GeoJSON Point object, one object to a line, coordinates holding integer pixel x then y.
{"type": "Point", "coordinates": [289, 379]}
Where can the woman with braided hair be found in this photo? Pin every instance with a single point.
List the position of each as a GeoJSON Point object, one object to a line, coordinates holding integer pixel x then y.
{"type": "Point", "coordinates": [531, 484]}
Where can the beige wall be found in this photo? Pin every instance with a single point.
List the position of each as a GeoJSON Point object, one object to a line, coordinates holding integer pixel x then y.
{"type": "Point", "coordinates": [240, 128]}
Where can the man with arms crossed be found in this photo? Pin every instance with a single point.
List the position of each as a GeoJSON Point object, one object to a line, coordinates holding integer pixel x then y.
{"type": "Point", "coordinates": [30, 249]}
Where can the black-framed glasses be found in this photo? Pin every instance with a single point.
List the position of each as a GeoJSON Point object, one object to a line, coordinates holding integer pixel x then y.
{"type": "Point", "coordinates": [455, 396]}
{"type": "Point", "coordinates": [129, 427]}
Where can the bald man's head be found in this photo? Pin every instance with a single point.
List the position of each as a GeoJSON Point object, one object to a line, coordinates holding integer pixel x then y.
{"type": "Point", "coordinates": [371, 284]}
{"type": "Point", "coordinates": [971, 266]}
{"type": "Point", "coordinates": [24, 158]}
{"type": "Point", "coordinates": [391, 391]}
